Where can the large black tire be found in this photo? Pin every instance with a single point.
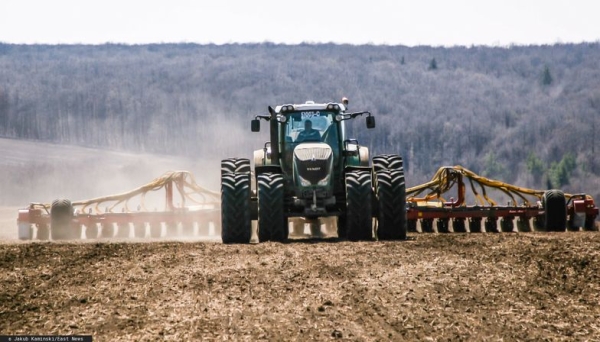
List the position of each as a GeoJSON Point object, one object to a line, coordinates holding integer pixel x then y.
{"type": "Point", "coordinates": [61, 216]}
{"type": "Point", "coordinates": [391, 200]}
{"type": "Point", "coordinates": [359, 220]}
{"type": "Point", "coordinates": [555, 211]}
{"type": "Point", "coordinates": [235, 165]}
{"type": "Point", "coordinates": [272, 224]}
{"type": "Point", "coordinates": [387, 162]}
{"type": "Point", "coordinates": [235, 208]}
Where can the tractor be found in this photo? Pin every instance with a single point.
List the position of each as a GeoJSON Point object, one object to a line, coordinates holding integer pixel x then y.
{"type": "Point", "coordinates": [311, 170]}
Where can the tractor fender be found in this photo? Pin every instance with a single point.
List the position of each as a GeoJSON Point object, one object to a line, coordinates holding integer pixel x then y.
{"type": "Point", "coordinates": [261, 157]}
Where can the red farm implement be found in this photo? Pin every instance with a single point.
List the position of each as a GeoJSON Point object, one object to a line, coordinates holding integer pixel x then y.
{"type": "Point", "coordinates": [526, 210]}
{"type": "Point", "coordinates": [186, 210]}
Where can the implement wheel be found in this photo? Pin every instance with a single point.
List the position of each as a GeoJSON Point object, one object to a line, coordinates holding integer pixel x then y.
{"type": "Point", "coordinates": [491, 225]}
{"type": "Point", "coordinates": [555, 211]}
{"type": "Point", "coordinates": [442, 225]}
{"type": "Point", "coordinates": [61, 214]}
{"type": "Point", "coordinates": [523, 224]}
{"type": "Point", "coordinates": [272, 224]}
{"type": "Point", "coordinates": [427, 225]}
{"type": "Point", "coordinates": [411, 226]}
{"type": "Point", "coordinates": [475, 225]}
{"type": "Point", "coordinates": [139, 230]}
{"type": "Point", "coordinates": [235, 201]}
{"type": "Point", "coordinates": [359, 224]}
{"type": "Point", "coordinates": [155, 229]}
{"type": "Point", "coordinates": [43, 232]}
{"type": "Point", "coordinates": [91, 231]}
{"type": "Point", "coordinates": [458, 225]}
{"type": "Point", "coordinates": [507, 224]}
{"type": "Point", "coordinates": [590, 224]}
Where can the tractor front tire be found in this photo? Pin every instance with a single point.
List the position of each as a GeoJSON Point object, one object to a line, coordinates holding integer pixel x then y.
{"type": "Point", "coordinates": [359, 222]}
{"type": "Point", "coordinates": [272, 225]}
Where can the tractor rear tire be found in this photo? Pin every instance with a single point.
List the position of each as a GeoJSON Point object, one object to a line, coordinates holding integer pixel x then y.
{"type": "Point", "coordinates": [235, 165]}
{"type": "Point", "coordinates": [391, 199]}
{"type": "Point", "coordinates": [359, 220]}
{"type": "Point", "coordinates": [235, 206]}
{"type": "Point", "coordinates": [387, 162]}
{"type": "Point", "coordinates": [555, 211]}
{"type": "Point", "coordinates": [61, 215]}
{"type": "Point", "coordinates": [272, 224]}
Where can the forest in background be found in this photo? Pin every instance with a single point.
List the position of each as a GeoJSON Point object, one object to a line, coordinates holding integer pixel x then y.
{"type": "Point", "coordinates": [527, 115]}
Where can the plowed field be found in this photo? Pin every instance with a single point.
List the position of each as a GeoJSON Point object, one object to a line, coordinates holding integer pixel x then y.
{"type": "Point", "coordinates": [538, 286]}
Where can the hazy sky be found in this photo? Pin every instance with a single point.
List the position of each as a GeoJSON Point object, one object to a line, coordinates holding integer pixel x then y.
{"type": "Point", "coordinates": [415, 22]}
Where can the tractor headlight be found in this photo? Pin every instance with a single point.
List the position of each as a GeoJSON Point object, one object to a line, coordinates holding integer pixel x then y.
{"type": "Point", "coordinates": [324, 181]}
{"type": "Point", "coordinates": [304, 182]}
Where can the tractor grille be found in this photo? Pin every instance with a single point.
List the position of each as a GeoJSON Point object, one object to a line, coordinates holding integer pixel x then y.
{"type": "Point", "coordinates": [313, 162]}
{"type": "Point", "coordinates": [313, 153]}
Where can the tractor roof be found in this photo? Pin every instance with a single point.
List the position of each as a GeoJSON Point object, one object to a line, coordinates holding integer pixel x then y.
{"type": "Point", "coordinates": [310, 105]}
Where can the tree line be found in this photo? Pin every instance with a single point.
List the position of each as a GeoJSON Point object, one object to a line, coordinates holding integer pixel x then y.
{"type": "Point", "coordinates": [523, 114]}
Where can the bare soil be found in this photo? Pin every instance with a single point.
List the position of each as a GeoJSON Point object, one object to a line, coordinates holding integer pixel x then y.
{"type": "Point", "coordinates": [534, 286]}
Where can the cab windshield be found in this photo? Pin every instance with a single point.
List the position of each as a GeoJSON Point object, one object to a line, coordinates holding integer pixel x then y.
{"type": "Point", "coordinates": [308, 125]}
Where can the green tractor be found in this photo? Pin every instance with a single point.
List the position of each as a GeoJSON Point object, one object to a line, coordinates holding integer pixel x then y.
{"type": "Point", "coordinates": [310, 171]}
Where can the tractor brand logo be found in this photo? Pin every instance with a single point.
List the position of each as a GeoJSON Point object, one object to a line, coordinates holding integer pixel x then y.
{"type": "Point", "coordinates": [313, 168]}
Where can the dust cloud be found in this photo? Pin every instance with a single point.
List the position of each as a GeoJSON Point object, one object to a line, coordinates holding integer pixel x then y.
{"type": "Point", "coordinates": [42, 172]}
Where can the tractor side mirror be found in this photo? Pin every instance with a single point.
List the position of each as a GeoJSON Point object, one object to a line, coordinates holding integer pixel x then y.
{"type": "Point", "coordinates": [255, 125]}
{"type": "Point", "coordinates": [370, 122]}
